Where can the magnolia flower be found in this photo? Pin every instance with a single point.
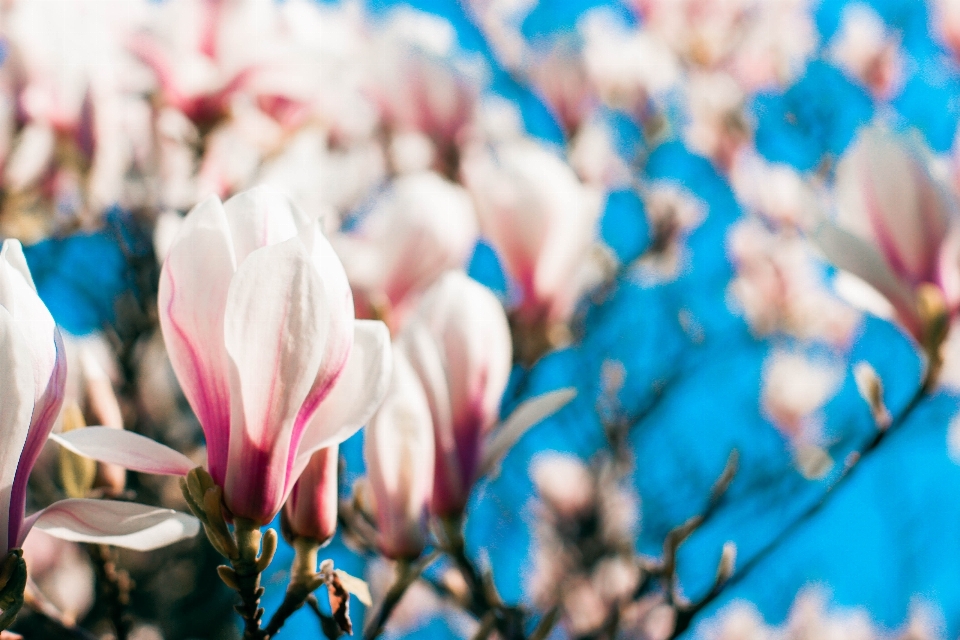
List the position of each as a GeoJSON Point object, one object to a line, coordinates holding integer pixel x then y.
{"type": "Point", "coordinates": [258, 320]}
{"type": "Point", "coordinates": [459, 345]}
{"type": "Point", "coordinates": [894, 226]}
{"type": "Point", "coordinates": [399, 454]}
{"type": "Point", "coordinates": [311, 509]}
{"type": "Point", "coordinates": [422, 227]}
{"type": "Point", "coordinates": [32, 377]}
{"type": "Point", "coordinates": [539, 217]}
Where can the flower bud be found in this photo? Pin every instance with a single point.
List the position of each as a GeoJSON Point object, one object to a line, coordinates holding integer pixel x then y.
{"type": "Point", "coordinates": [399, 454]}
{"type": "Point", "coordinates": [311, 509]}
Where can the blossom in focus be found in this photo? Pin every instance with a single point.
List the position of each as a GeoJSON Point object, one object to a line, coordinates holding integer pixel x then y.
{"type": "Point", "coordinates": [458, 342]}
{"type": "Point", "coordinates": [258, 319]}
{"type": "Point", "coordinates": [423, 226]}
{"type": "Point", "coordinates": [311, 509]}
{"type": "Point", "coordinates": [399, 456]}
{"type": "Point", "coordinates": [895, 226]}
{"type": "Point", "coordinates": [32, 378]}
{"type": "Point", "coordinates": [539, 217]}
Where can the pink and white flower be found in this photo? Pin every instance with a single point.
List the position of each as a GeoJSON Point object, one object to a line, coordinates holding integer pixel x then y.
{"type": "Point", "coordinates": [311, 509]}
{"type": "Point", "coordinates": [459, 345]}
{"type": "Point", "coordinates": [540, 219]}
{"type": "Point", "coordinates": [895, 225]}
{"type": "Point", "coordinates": [258, 320]}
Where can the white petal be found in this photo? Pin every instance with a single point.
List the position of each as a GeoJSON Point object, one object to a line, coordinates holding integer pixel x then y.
{"type": "Point", "coordinates": [121, 524]}
{"type": "Point", "coordinates": [288, 343]}
{"type": "Point", "coordinates": [260, 217]}
{"type": "Point", "coordinates": [356, 395]}
{"type": "Point", "coordinates": [191, 301]}
{"type": "Point", "coordinates": [12, 253]}
{"type": "Point", "coordinates": [529, 413]}
{"type": "Point", "coordinates": [125, 448]}
{"type": "Point", "coordinates": [16, 410]}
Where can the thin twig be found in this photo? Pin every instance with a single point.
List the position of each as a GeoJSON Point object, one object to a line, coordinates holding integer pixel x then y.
{"type": "Point", "coordinates": [407, 574]}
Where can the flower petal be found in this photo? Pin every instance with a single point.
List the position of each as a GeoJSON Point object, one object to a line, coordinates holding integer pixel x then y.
{"type": "Point", "coordinates": [259, 217]}
{"type": "Point", "coordinates": [121, 524]}
{"type": "Point", "coordinates": [847, 251]}
{"type": "Point", "coordinates": [125, 448]}
{"type": "Point", "coordinates": [16, 409]}
{"type": "Point", "coordinates": [287, 350]}
{"type": "Point", "coordinates": [192, 299]}
{"type": "Point", "coordinates": [529, 413]}
{"type": "Point", "coordinates": [356, 395]}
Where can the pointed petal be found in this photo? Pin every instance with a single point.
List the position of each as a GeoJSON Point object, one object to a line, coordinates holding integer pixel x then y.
{"type": "Point", "coordinates": [529, 413]}
{"type": "Point", "coordinates": [398, 450]}
{"type": "Point", "coordinates": [259, 217]}
{"type": "Point", "coordinates": [120, 524]}
{"type": "Point", "coordinates": [16, 409]}
{"type": "Point", "coordinates": [847, 251]}
{"type": "Point", "coordinates": [356, 395]}
{"type": "Point", "coordinates": [12, 254]}
{"type": "Point", "coordinates": [125, 448]}
{"type": "Point", "coordinates": [192, 299]}
{"type": "Point", "coordinates": [288, 342]}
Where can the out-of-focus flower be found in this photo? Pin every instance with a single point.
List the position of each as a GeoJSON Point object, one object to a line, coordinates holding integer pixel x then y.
{"type": "Point", "coordinates": [866, 49]}
{"type": "Point", "coordinates": [458, 342]}
{"type": "Point", "coordinates": [895, 228]}
{"type": "Point", "coordinates": [626, 67]}
{"type": "Point", "coordinates": [795, 389]}
{"type": "Point", "coordinates": [717, 127]}
{"type": "Point", "coordinates": [811, 619]}
{"type": "Point", "coordinates": [311, 508]}
{"type": "Point", "coordinates": [258, 319]}
{"type": "Point", "coordinates": [586, 522]}
{"type": "Point", "coordinates": [779, 287]}
{"type": "Point", "coordinates": [673, 213]}
{"type": "Point", "coordinates": [539, 217]}
{"type": "Point", "coordinates": [32, 385]}
{"type": "Point", "coordinates": [424, 226]}
{"type": "Point", "coordinates": [399, 455]}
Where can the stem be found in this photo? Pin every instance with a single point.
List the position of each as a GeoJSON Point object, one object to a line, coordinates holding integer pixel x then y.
{"type": "Point", "coordinates": [115, 586]}
{"type": "Point", "coordinates": [407, 574]}
{"type": "Point", "coordinates": [487, 623]}
{"type": "Point", "coordinates": [328, 625]}
{"type": "Point", "coordinates": [248, 578]}
{"type": "Point", "coordinates": [546, 624]}
{"type": "Point", "coordinates": [302, 579]}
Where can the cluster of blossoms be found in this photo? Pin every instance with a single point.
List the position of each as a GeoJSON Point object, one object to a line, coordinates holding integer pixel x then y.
{"type": "Point", "coordinates": [318, 181]}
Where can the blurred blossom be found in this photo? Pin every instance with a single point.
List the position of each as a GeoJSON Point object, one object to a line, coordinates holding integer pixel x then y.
{"type": "Point", "coordinates": [539, 217]}
{"type": "Point", "coordinates": [585, 526]}
{"type": "Point", "coordinates": [240, 279]}
{"type": "Point", "coordinates": [897, 226]}
{"type": "Point", "coordinates": [773, 190]}
{"type": "Point", "coordinates": [458, 342]}
{"type": "Point", "coordinates": [673, 213]}
{"type": "Point", "coordinates": [399, 453]}
{"type": "Point", "coordinates": [795, 388]}
{"type": "Point", "coordinates": [310, 510]}
{"type": "Point", "coordinates": [62, 572]}
{"type": "Point", "coordinates": [810, 618]}
{"type": "Point", "coordinates": [717, 126]}
{"type": "Point", "coordinates": [866, 49]}
{"type": "Point", "coordinates": [780, 288]}
{"type": "Point", "coordinates": [421, 227]}
{"type": "Point", "coordinates": [626, 68]}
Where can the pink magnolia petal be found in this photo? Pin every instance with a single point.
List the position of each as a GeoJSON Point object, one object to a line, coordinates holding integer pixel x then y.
{"type": "Point", "coordinates": [355, 396]}
{"type": "Point", "coordinates": [259, 217]}
{"type": "Point", "coordinates": [847, 251]}
{"type": "Point", "coordinates": [287, 351]}
{"type": "Point", "coordinates": [310, 511]}
{"type": "Point", "coordinates": [888, 192]}
{"type": "Point", "coordinates": [120, 524]}
{"type": "Point", "coordinates": [126, 449]}
{"type": "Point", "coordinates": [529, 413]}
{"type": "Point", "coordinates": [399, 454]}
{"type": "Point", "coordinates": [41, 336]}
{"type": "Point", "coordinates": [192, 300]}
{"type": "Point", "coordinates": [16, 409]}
